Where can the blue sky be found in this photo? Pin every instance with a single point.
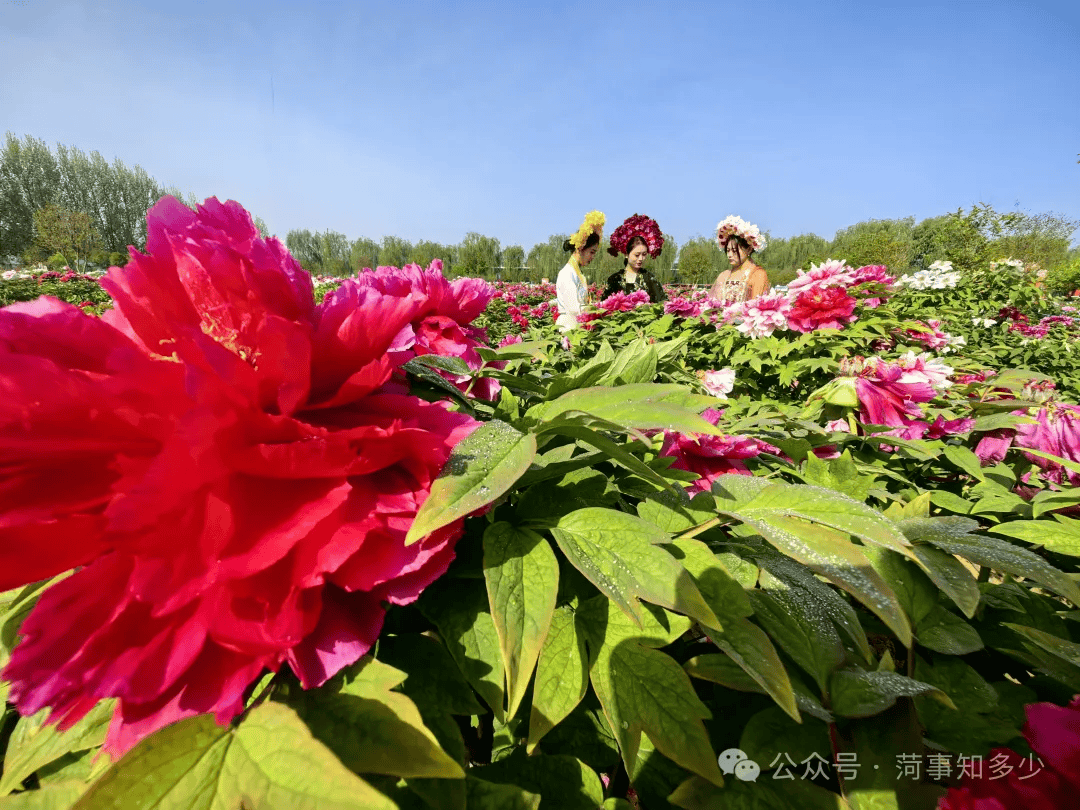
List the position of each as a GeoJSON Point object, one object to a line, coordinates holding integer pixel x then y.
{"type": "Point", "coordinates": [430, 120]}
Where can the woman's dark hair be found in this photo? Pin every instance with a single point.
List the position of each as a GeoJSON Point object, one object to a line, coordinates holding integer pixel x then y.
{"type": "Point", "coordinates": [739, 241]}
{"type": "Point", "coordinates": [594, 239]}
{"type": "Point", "coordinates": [635, 240]}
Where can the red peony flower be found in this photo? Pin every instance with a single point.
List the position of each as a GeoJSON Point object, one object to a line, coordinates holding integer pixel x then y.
{"type": "Point", "coordinates": [231, 468]}
{"type": "Point", "coordinates": [711, 456]}
{"type": "Point", "coordinates": [1012, 782]}
{"type": "Point", "coordinates": [821, 308]}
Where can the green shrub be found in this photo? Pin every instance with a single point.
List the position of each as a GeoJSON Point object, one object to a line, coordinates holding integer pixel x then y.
{"type": "Point", "coordinates": [56, 261]}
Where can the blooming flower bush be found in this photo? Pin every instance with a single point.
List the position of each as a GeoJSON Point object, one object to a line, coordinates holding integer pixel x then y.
{"type": "Point", "coordinates": [240, 467]}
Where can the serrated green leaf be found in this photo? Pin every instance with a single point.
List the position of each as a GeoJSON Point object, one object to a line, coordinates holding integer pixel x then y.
{"type": "Point", "coordinates": [268, 761]}
{"type": "Point", "coordinates": [617, 453]}
{"type": "Point", "coordinates": [522, 576]}
{"type": "Point", "coordinates": [481, 468]}
{"type": "Point", "coordinates": [35, 743]}
{"type": "Point", "coordinates": [562, 674]}
{"type": "Point", "coordinates": [620, 554]}
{"type": "Point", "coordinates": [858, 693]}
{"type": "Point", "coordinates": [634, 364]}
{"type": "Point", "coordinates": [839, 474]}
{"type": "Point", "coordinates": [460, 612]}
{"type": "Point", "coordinates": [644, 690]}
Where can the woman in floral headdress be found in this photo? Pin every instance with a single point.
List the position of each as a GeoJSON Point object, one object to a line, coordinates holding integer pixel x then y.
{"type": "Point", "coordinates": [639, 236]}
{"type": "Point", "coordinates": [744, 280]}
{"type": "Point", "coordinates": [571, 288]}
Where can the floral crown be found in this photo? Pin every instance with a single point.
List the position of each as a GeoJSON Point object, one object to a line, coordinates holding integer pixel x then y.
{"type": "Point", "coordinates": [637, 225]}
{"type": "Point", "coordinates": [594, 223]}
{"type": "Point", "coordinates": [737, 226]}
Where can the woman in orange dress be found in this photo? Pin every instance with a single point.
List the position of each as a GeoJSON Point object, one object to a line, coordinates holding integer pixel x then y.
{"type": "Point", "coordinates": [744, 280]}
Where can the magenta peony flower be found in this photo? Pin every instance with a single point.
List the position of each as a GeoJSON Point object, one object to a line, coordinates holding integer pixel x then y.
{"type": "Point", "coordinates": [711, 456]}
{"type": "Point", "coordinates": [231, 468]}
{"type": "Point", "coordinates": [1048, 781]}
{"type": "Point", "coordinates": [509, 340]}
{"type": "Point", "coordinates": [821, 308]}
{"type": "Point", "coordinates": [873, 279]}
{"type": "Point", "coordinates": [682, 307]}
{"type": "Point", "coordinates": [624, 302]}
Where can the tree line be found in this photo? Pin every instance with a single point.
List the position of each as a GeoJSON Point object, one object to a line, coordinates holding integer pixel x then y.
{"type": "Point", "coordinates": [81, 208]}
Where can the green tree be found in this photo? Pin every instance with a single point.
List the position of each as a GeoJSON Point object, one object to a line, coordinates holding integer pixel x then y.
{"type": "Point", "coordinates": [478, 256]}
{"type": "Point", "coordinates": [394, 251]}
{"type": "Point", "coordinates": [783, 257]}
{"type": "Point", "coordinates": [700, 260]}
{"type": "Point", "coordinates": [57, 230]}
{"type": "Point", "coordinates": [364, 254]}
{"type": "Point", "coordinates": [29, 178]}
{"type": "Point", "coordinates": [546, 259]}
{"type": "Point", "coordinates": [306, 248]}
{"type": "Point", "coordinates": [336, 255]}
{"type": "Point", "coordinates": [513, 262]}
{"type": "Point", "coordinates": [875, 241]}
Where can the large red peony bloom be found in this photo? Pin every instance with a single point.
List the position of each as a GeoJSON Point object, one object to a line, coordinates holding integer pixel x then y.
{"type": "Point", "coordinates": [231, 468]}
{"type": "Point", "coordinates": [821, 308]}
{"type": "Point", "coordinates": [1012, 782]}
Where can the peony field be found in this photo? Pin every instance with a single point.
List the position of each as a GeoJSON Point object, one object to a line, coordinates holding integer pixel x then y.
{"type": "Point", "coordinates": [396, 541]}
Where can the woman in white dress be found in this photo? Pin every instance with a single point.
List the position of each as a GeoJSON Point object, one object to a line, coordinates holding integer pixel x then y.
{"type": "Point", "coordinates": [571, 288]}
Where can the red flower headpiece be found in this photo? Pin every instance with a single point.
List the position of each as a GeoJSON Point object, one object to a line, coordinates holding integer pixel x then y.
{"type": "Point", "coordinates": [637, 225]}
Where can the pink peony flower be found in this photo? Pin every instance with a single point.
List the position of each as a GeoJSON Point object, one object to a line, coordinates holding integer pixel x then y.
{"type": "Point", "coordinates": [1047, 781]}
{"type": "Point", "coordinates": [624, 302]}
{"type": "Point", "coordinates": [821, 308]}
{"type": "Point", "coordinates": [830, 273]}
{"type": "Point", "coordinates": [231, 468]}
{"type": "Point", "coordinates": [711, 456]}
{"type": "Point", "coordinates": [763, 315]}
{"type": "Point", "coordinates": [509, 340]}
{"type": "Point", "coordinates": [719, 383]}
{"type": "Point", "coordinates": [874, 278]}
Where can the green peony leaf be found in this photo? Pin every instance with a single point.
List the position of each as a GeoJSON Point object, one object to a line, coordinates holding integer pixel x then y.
{"type": "Point", "coordinates": [562, 782]}
{"type": "Point", "coordinates": [951, 576]}
{"type": "Point", "coordinates": [373, 729]}
{"type": "Point", "coordinates": [953, 536]}
{"type": "Point", "coordinates": [771, 732]}
{"type": "Point", "coordinates": [620, 554]}
{"type": "Point", "coordinates": [481, 795]}
{"type": "Point", "coordinates": [644, 690]}
{"type": "Point", "coordinates": [800, 626]}
{"type": "Point", "coordinates": [945, 632]}
{"type": "Point", "coordinates": [858, 693]}
{"type": "Point", "coordinates": [1061, 535]}
{"type": "Point", "coordinates": [641, 405]}
{"type": "Point", "coordinates": [762, 794]}
{"type": "Point", "coordinates": [522, 577]}
{"type": "Point", "coordinates": [752, 649]}
{"type": "Point", "coordinates": [481, 468]}
{"type": "Point", "coordinates": [459, 610]}
{"type": "Point", "coordinates": [34, 743]}
{"type": "Point", "coordinates": [561, 675]}
{"type": "Point", "coordinates": [270, 760]}
{"type": "Point", "coordinates": [432, 680]}
{"type": "Point", "coordinates": [56, 796]}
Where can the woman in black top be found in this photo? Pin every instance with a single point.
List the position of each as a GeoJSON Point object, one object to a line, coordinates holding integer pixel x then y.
{"type": "Point", "coordinates": [638, 237]}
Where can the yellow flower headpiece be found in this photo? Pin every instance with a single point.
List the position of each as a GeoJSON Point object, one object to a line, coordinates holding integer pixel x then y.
{"type": "Point", "coordinates": [594, 222]}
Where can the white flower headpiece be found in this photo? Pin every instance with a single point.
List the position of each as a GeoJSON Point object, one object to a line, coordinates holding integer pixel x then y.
{"type": "Point", "coordinates": [737, 226]}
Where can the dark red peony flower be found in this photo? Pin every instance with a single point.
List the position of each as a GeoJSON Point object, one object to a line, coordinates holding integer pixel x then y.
{"type": "Point", "coordinates": [231, 468]}
{"type": "Point", "coordinates": [821, 308]}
